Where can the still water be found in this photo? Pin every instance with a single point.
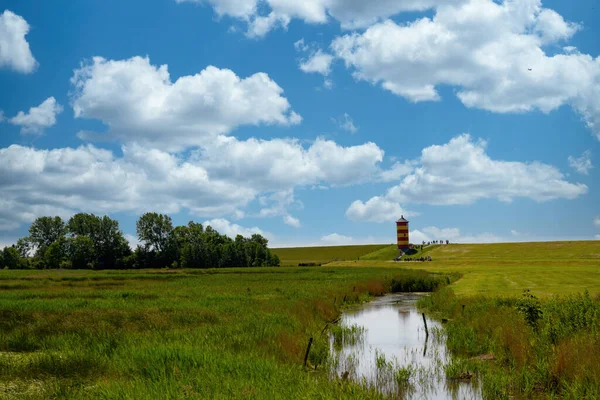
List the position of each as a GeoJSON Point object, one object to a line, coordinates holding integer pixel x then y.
{"type": "Point", "coordinates": [393, 355]}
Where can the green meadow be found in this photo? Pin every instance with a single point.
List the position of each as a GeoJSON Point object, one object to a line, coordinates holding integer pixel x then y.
{"type": "Point", "coordinates": [242, 332]}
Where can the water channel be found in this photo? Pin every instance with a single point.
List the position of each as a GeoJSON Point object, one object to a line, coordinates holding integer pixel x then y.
{"type": "Point", "coordinates": [392, 354]}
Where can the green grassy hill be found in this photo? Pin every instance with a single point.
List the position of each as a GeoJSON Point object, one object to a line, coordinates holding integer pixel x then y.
{"type": "Point", "coordinates": [507, 268]}
{"type": "Point", "coordinates": [297, 255]}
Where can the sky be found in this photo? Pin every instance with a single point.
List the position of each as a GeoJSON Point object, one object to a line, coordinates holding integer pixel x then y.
{"type": "Point", "coordinates": [313, 123]}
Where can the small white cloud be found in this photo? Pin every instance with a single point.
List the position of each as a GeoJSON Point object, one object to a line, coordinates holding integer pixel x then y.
{"type": "Point", "coordinates": [515, 233]}
{"type": "Point", "coordinates": [337, 239]}
{"type": "Point", "coordinates": [443, 233]}
{"type": "Point", "coordinates": [133, 241]}
{"type": "Point", "coordinates": [597, 237]}
{"type": "Point", "coordinates": [397, 172]}
{"type": "Point", "coordinates": [225, 227]}
{"type": "Point", "coordinates": [2, 117]}
{"type": "Point", "coordinates": [597, 221]}
{"type": "Point", "coordinates": [376, 209]}
{"type": "Point", "coordinates": [14, 49]}
{"type": "Point", "coordinates": [319, 62]}
{"type": "Point", "coordinates": [291, 221]}
{"type": "Point", "coordinates": [346, 123]}
{"type": "Point", "coordinates": [328, 84]}
{"type": "Point", "coordinates": [582, 164]}
{"type": "Point", "coordinates": [38, 118]}
{"type": "Point", "coordinates": [300, 45]}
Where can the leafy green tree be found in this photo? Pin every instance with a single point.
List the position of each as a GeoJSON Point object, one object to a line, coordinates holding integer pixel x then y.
{"type": "Point", "coordinates": [154, 230]}
{"type": "Point", "coordinates": [24, 247]}
{"type": "Point", "coordinates": [55, 254]}
{"type": "Point", "coordinates": [82, 252]}
{"type": "Point", "coordinates": [45, 231]}
{"type": "Point", "coordinates": [10, 258]}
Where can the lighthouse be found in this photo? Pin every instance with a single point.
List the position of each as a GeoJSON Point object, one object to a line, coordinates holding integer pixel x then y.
{"type": "Point", "coordinates": [402, 230]}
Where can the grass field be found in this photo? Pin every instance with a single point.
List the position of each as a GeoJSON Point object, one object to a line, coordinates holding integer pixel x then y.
{"type": "Point", "coordinates": [242, 333]}
{"type": "Point", "coordinates": [325, 254]}
{"type": "Point", "coordinates": [508, 268]}
{"type": "Point", "coordinates": [176, 334]}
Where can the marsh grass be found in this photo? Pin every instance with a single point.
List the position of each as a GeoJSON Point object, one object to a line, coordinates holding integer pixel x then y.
{"type": "Point", "coordinates": [232, 333]}
{"type": "Point", "coordinates": [551, 351]}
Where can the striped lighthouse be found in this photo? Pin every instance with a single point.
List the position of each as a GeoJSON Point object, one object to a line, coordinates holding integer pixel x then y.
{"type": "Point", "coordinates": [402, 230]}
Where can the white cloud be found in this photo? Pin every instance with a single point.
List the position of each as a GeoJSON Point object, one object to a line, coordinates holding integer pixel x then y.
{"type": "Point", "coordinates": [582, 164]}
{"type": "Point", "coordinates": [291, 221]}
{"type": "Point", "coordinates": [337, 239]}
{"type": "Point", "coordinates": [14, 49]}
{"type": "Point", "coordinates": [485, 50]}
{"type": "Point", "coordinates": [214, 181]}
{"type": "Point", "coordinates": [443, 233]}
{"type": "Point", "coordinates": [454, 235]}
{"type": "Point", "coordinates": [346, 123]}
{"type": "Point", "coordinates": [38, 118]}
{"type": "Point", "coordinates": [139, 103]}
{"type": "Point", "coordinates": [328, 84]}
{"type": "Point", "coordinates": [515, 233]}
{"type": "Point", "coordinates": [397, 172]}
{"type": "Point", "coordinates": [460, 172]}
{"type": "Point", "coordinates": [280, 164]}
{"type": "Point", "coordinates": [227, 228]}
{"type": "Point", "coordinates": [597, 221]}
{"type": "Point", "coordinates": [2, 117]}
{"type": "Point", "coordinates": [350, 13]}
{"type": "Point", "coordinates": [376, 209]}
{"type": "Point", "coordinates": [597, 237]}
{"type": "Point", "coordinates": [318, 62]}
{"type": "Point", "coordinates": [133, 241]}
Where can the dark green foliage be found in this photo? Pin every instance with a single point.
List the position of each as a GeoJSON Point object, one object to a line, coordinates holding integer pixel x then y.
{"type": "Point", "coordinates": [531, 308]}
{"type": "Point", "coordinates": [155, 231]}
{"type": "Point", "coordinates": [419, 282]}
{"type": "Point", "coordinates": [9, 258]}
{"type": "Point", "coordinates": [46, 230]}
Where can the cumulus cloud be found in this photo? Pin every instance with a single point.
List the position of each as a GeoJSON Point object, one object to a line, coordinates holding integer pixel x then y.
{"type": "Point", "coordinates": [291, 221]}
{"type": "Point", "coordinates": [14, 48]}
{"type": "Point", "coordinates": [491, 52]}
{"type": "Point", "coordinates": [460, 172]}
{"type": "Point", "coordinates": [346, 123]}
{"type": "Point", "coordinates": [454, 235]}
{"type": "Point", "coordinates": [582, 164]}
{"type": "Point", "coordinates": [319, 62]}
{"type": "Point", "coordinates": [263, 16]}
{"type": "Point", "coordinates": [139, 103]}
{"type": "Point", "coordinates": [227, 228]}
{"type": "Point", "coordinates": [397, 171]}
{"type": "Point", "coordinates": [376, 209]}
{"type": "Point", "coordinates": [215, 181]}
{"type": "Point", "coordinates": [280, 164]}
{"type": "Point", "coordinates": [597, 221]}
{"type": "Point", "coordinates": [38, 118]}
{"type": "Point", "coordinates": [597, 237]}
{"type": "Point", "coordinates": [335, 238]}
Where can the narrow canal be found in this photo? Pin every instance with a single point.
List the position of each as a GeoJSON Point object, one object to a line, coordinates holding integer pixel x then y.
{"type": "Point", "coordinates": [384, 344]}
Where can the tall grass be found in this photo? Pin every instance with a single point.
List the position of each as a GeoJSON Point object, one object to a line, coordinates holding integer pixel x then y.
{"type": "Point", "coordinates": [233, 333]}
{"type": "Point", "coordinates": [548, 347]}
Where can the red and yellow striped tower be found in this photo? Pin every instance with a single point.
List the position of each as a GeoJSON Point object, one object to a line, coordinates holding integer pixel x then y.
{"type": "Point", "coordinates": [402, 229]}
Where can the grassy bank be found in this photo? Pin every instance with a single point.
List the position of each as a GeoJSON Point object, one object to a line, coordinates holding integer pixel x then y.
{"type": "Point", "coordinates": [524, 346]}
{"type": "Point", "coordinates": [322, 255]}
{"type": "Point", "coordinates": [506, 269]}
{"type": "Point", "coordinates": [178, 334]}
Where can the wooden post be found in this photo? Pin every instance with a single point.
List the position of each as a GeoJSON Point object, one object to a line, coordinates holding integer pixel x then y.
{"type": "Point", "coordinates": [426, 330]}
{"type": "Point", "coordinates": [307, 351]}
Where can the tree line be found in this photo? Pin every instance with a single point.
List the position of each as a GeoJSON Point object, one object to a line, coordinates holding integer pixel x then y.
{"type": "Point", "coordinates": [88, 241]}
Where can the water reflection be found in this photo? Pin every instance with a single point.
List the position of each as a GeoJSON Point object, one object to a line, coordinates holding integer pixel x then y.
{"type": "Point", "coordinates": [394, 355]}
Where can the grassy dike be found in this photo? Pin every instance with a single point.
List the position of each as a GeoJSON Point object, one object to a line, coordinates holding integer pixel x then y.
{"type": "Point", "coordinates": [180, 334]}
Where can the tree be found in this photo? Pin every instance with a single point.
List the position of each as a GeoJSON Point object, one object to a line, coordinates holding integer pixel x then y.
{"type": "Point", "coordinates": [154, 230]}
{"type": "Point", "coordinates": [82, 253]}
{"type": "Point", "coordinates": [10, 258]}
{"type": "Point", "coordinates": [24, 247]}
{"type": "Point", "coordinates": [46, 230]}
{"type": "Point", "coordinates": [55, 254]}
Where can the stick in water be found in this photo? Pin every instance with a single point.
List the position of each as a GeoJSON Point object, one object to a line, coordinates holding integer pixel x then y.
{"type": "Point", "coordinates": [426, 330]}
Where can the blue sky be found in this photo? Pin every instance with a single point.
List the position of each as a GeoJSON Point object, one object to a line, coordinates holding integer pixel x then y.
{"type": "Point", "coordinates": [315, 122]}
